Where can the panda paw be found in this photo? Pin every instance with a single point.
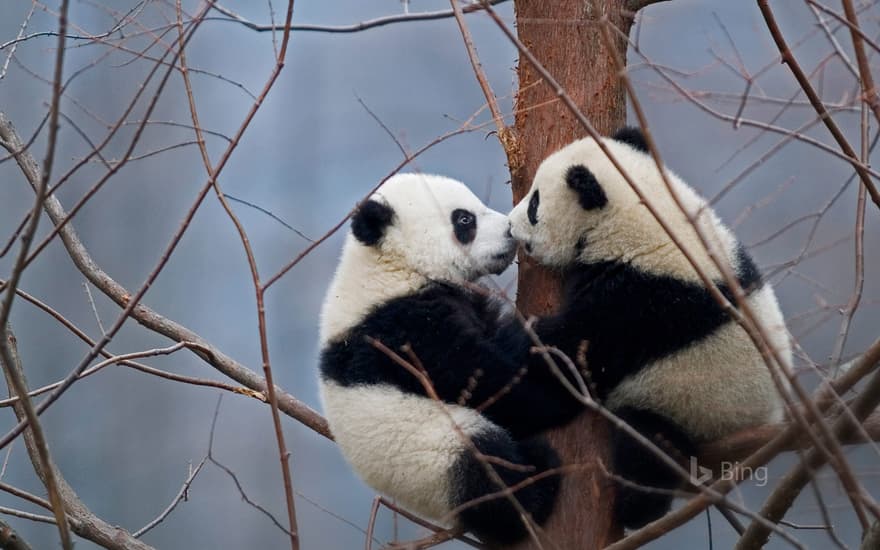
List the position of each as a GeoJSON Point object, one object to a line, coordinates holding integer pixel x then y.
{"type": "Point", "coordinates": [539, 497]}
{"type": "Point", "coordinates": [496, 521]}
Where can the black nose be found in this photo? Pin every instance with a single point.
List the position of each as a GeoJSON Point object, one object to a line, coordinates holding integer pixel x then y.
{"type": "Point", "coordinates": [508, 234]}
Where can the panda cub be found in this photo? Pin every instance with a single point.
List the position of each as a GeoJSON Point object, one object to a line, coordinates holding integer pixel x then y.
{"type": "Point", "coordinates": [661, 353]}
{"type": "Point", "coordinates": [405, 279]}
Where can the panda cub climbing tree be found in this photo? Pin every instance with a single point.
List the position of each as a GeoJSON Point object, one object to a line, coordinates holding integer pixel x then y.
{"type": "Point", "coordinates": [662, 353]}
{"type": "Point", "coordinates": [405, 280]}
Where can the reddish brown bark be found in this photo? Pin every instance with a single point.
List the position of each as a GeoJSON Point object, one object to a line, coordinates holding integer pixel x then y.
{"type": "Point", "coordinates": [566, 37]}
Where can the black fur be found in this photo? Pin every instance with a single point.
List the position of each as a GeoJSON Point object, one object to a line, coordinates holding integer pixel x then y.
{"type": "Point", "coordinates": [633, 137]}
{"type": "Point", "coordinates": [580, 245]}
{"type": "Point", "coordinates": [633, 508]}
{"type": "Point", "coordinates": [496, 521]}
{"type": "Point", "coordinates": [469, 355]}
{"type": "Point", "coordinates": [590, 193]}
{"type": "Point", "coordinates": [464, 224]}
{"type": "Point", "coordinates": [748, 274]}
{"type": "Point", "coordinates": [533, 208]}
{"type": "Point", "coordinates": [610, 304]}
{"type": "Point", "coordinates": [370, 221]}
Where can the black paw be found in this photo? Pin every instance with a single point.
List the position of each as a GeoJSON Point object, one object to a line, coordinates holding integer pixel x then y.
{"type": "Point", "coordinates": [541, 495]}
{"type": "Point", "coordinates": [497, 521]}
{"type": "Point", "coordinates": [637, 464]}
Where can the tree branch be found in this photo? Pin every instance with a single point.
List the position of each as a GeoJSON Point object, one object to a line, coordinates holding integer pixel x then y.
{"type": "Point", "coordinates": [25, 408]}
{"type": "Point", "coordinates": [143, 314]}
{"type": "Point", "coordinates": [80, 519]}
{"type": "Point", "coordinates": [10, 540]}
{"type": "Point", "coordinates": [791, 485]}
{"type": "Point", "coordinates": [860, 368]}
{"type": "Point", "coordinates": [743, 443]}
{"type": "Point", "coordinates": [816, 101]}
{"type": "Point", "coordinates": [356, 27]}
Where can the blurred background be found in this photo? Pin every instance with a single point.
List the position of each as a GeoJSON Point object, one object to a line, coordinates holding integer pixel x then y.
{"type": "Point", "coordinates": [126, 440]}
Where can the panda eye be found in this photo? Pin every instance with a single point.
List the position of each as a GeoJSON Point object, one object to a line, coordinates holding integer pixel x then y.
{"type": "Point", "coordinates": [533, 208]}
{"type": "Point", "coordinates": [464, 225]}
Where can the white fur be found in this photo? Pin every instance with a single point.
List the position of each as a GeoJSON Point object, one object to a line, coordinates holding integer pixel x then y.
{"type": "Point", "coordinates": [624, 229]}
{"type": "Point", "coordinates": [716, 387]}
{"type": "Point", "coordinates": [419, 245]}
{"type": "Point", "coordinates": [711, 388]}
{"type": "Point", "coordinates": [401, 444]}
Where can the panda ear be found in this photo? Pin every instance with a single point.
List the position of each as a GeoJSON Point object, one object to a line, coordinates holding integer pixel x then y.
{"type": "Point", "coordinates": [370, 221]}
{"type": "Point", "coordinates": [633, 137]}
{"type": "Point", "coordinates": [590, 193]}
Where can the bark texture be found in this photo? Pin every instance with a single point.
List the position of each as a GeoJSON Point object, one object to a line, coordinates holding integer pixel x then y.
{"type": "Point", "coordinates": [566, 37]}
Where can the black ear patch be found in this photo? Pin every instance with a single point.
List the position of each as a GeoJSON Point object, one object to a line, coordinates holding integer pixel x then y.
{"type": "Point", "coordinates": [370, 221]}
{"type": "Point", "coordinates": [632, 137]}
{"type": "Point", "coordinates": [590, 193]}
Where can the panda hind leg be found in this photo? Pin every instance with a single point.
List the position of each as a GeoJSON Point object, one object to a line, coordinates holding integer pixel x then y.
{"type": "Point", "coordinates": [635, 507]}
{"type": "Point", "coordinates": [496, 520]}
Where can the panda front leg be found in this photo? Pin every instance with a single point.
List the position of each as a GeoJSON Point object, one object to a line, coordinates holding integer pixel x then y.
{"type": "Point", "coordinates": [638, 502]}
{"type": "Point", "coordinates": [529, 462]}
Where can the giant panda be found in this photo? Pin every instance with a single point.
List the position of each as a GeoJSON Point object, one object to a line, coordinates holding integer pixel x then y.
{"type": "Point", "coordinates": [661, 353]}
{"type": "Point", "coordinates": [405, 278]}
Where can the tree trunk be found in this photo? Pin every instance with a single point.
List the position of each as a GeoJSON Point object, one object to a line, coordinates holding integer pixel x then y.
{"type": "Point", "coordinates": [566, 37]}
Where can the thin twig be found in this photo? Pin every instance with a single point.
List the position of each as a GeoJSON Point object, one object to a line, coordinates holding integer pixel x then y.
{"type": "Point", "coordinates": [270, 214]}
{"type": "Point", "coordinates": [81, 520]}
{"type": "Point", "coordinates": [144, 315]}
{"type": "Point", "coordinates": [174, 502]}
{"type": "Point", "coordinates": [795, 480]}
{"type": "Point", "coordinates": [7, 339]}
{"type": "Point", "coordinates": [9, 539]}
{"type": "Point", "coordinates": [356, 27]}
{"type": "Point", "coordinates": [804, 82]}
{"type": "Point", "coordinates": [259, 290]}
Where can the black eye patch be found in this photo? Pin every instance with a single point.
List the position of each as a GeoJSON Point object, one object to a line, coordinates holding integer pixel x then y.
{"type": "Point", "coordinates": [584, 183]}
{"type": "Point", "coordinates": [533, 208]}
{"type": "Point", "coordinates": [464, 225]}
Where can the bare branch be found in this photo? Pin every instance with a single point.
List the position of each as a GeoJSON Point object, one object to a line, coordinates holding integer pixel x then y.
{"type": "Point", "coordinates": [7, 339]}
{"type": "Point", "coordinates": [863, 366]}
{"type": "Point", "coordinates": [356, 27]}
{"type": "Point", "coordinates": [791, 485]}
{"type": "Point", "coordinates": [789, 59]}
{"type": "Point", "coordinates": [180, 496]}
{"type": "Point", "coordinates": [259, 289]}
{"type": "Point", "coordinates": [10, 540]}
{"type": "Point", "coordinates": [144, 315]}
{"type": "Point", "coordinates": [81, 520]}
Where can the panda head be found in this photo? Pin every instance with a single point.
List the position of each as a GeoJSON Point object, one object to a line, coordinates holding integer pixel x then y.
{"type": "Point", "coordinates": [435, 227]}
{"type": "Point", "coordinates": [579, 204]}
